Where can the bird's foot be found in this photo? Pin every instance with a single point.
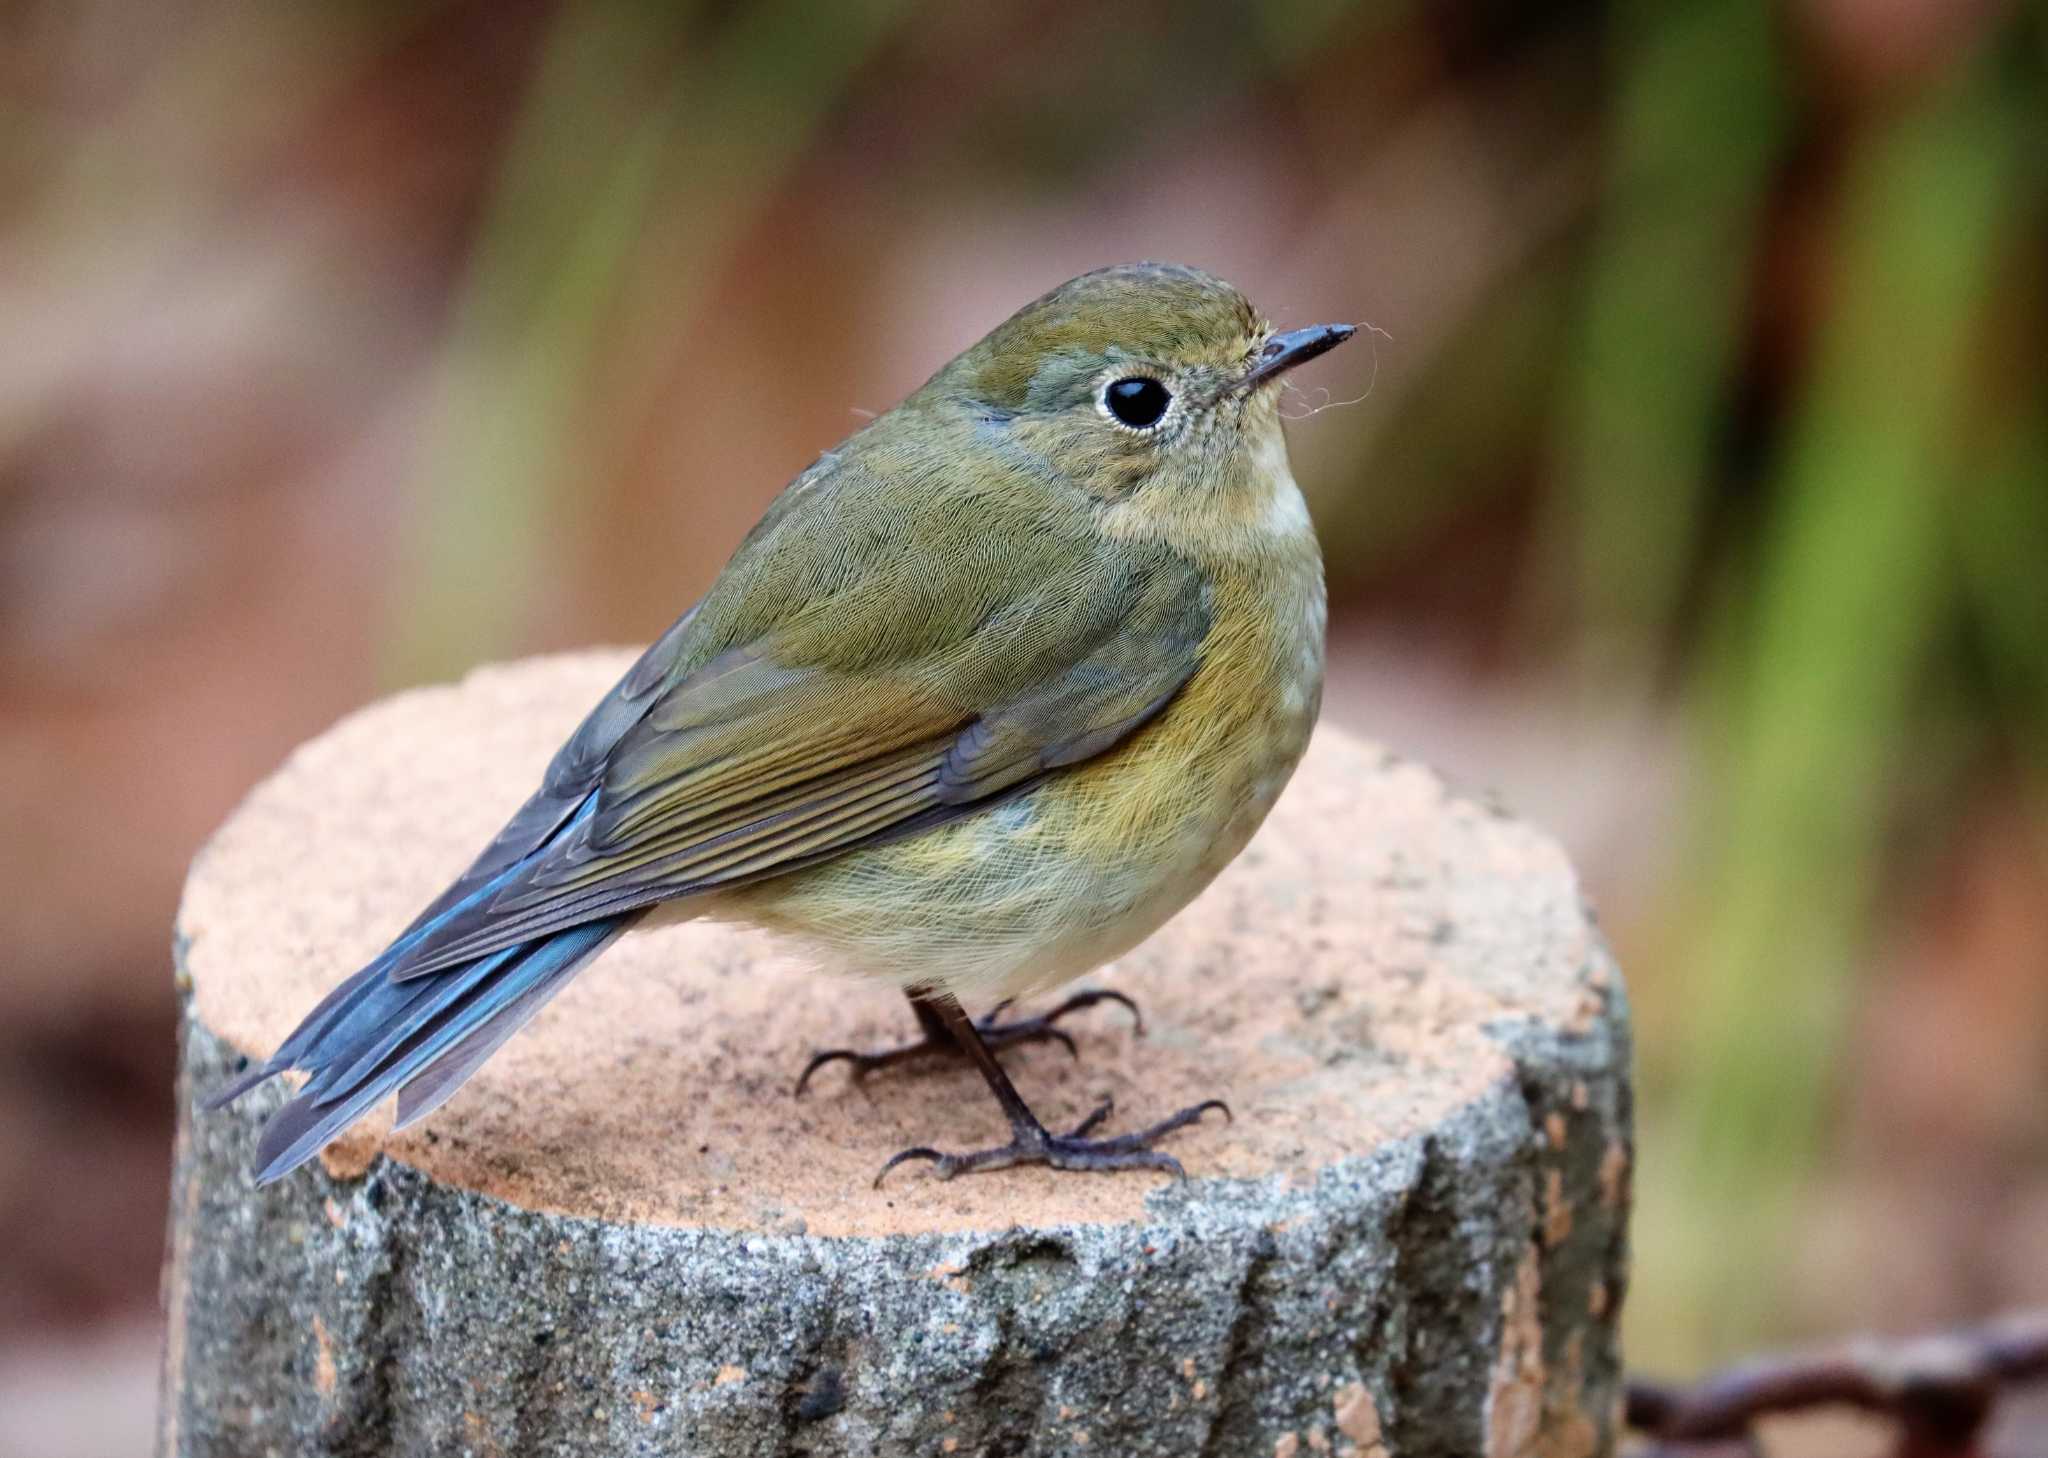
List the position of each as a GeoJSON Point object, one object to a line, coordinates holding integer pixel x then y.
{"type": "Point", "coordinates": [1034, 1144]}
{"type": "Point", "coordinates": [995, 1033]}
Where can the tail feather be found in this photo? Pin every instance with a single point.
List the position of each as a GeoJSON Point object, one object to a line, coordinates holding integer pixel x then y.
{"type": "Point", "coordinates": [221, 1097]}
{"type": "Point", "coordinates": [345, 998]}
{"type": "Point", "coordinates": [406, 1031]}
{"type": "Point", "coordinates": [359, 1002]}
{"type": "Point", "coordinates": [361, 1044]}
{"type": "Point", "coordinates": [434, 1085]}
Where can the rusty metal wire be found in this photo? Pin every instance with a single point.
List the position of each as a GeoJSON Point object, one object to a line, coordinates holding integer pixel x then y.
{"type": "Point", "coordinates": [1940, 1390]}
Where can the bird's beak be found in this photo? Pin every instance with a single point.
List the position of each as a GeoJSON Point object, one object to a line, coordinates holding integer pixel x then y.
{"type": "Point", "coordinates": [1284, 351]}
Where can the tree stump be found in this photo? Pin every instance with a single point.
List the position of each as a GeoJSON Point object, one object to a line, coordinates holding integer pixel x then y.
{"type": "Point", "coordinates": [625, 1235]}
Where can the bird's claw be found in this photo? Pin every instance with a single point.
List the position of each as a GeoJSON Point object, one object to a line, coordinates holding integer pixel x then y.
{"type": "Point", "coordinates": [863, 1065]}
{"type": "Point", "coordinates": [1070, 1151]}
{"type": "Point", "coordinates": [1087, 997]}
{"type": "Point", "coordinates": [994, 1033]}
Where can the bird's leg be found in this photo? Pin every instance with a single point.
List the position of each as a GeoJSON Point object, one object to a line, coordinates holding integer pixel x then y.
{"type": "Point", "coordinates": [994, 1032]}
{"type": "Point", "coordinates": [1030, 1141]}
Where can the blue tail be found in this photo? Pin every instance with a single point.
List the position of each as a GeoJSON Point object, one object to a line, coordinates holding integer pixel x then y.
{"type": "Point", "coordinates": [422, 1037]}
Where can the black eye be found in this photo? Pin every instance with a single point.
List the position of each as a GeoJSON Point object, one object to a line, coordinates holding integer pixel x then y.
{"type": "Point", "coordinates": [1138, 401]}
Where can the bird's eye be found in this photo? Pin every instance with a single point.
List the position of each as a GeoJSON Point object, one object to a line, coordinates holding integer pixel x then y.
{"type": "Point", "coordinates": [1138, 402]}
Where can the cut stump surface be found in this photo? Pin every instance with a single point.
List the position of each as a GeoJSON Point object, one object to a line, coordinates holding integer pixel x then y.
{"type": "Point", "coordinates": [625, 1235]}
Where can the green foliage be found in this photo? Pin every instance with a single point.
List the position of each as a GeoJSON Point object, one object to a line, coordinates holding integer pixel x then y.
{"type": "Point", "coordinates": [1852, 590]}
{"type": "Point", "coordinates": [1696, 127]}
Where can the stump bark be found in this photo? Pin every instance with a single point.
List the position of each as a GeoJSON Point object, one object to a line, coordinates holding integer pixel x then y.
{"type": "Point", "coordinates": [625, 1235]}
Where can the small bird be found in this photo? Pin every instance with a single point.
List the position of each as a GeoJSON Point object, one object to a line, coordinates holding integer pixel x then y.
{"type": "Point", "coordinates": [994, 688]}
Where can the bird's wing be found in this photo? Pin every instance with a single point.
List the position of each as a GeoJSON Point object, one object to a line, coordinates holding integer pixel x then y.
{"type": "Point", "coordinates": [875, 705]}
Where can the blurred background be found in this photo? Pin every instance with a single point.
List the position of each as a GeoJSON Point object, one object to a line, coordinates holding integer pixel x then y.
{"type": "Point", "coordinates": [1692, 494]}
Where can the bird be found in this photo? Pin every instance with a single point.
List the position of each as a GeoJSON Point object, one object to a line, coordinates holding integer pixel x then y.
{"type": "Point", "coordinates": [992, 690]}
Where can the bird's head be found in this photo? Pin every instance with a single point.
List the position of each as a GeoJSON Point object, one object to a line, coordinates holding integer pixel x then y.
{"type": "Point", "coordinates": [1141, 378]}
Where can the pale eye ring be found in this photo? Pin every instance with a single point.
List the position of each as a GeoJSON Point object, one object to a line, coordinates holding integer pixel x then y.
{"type": "Point", "coordinates": [1137, 401]}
